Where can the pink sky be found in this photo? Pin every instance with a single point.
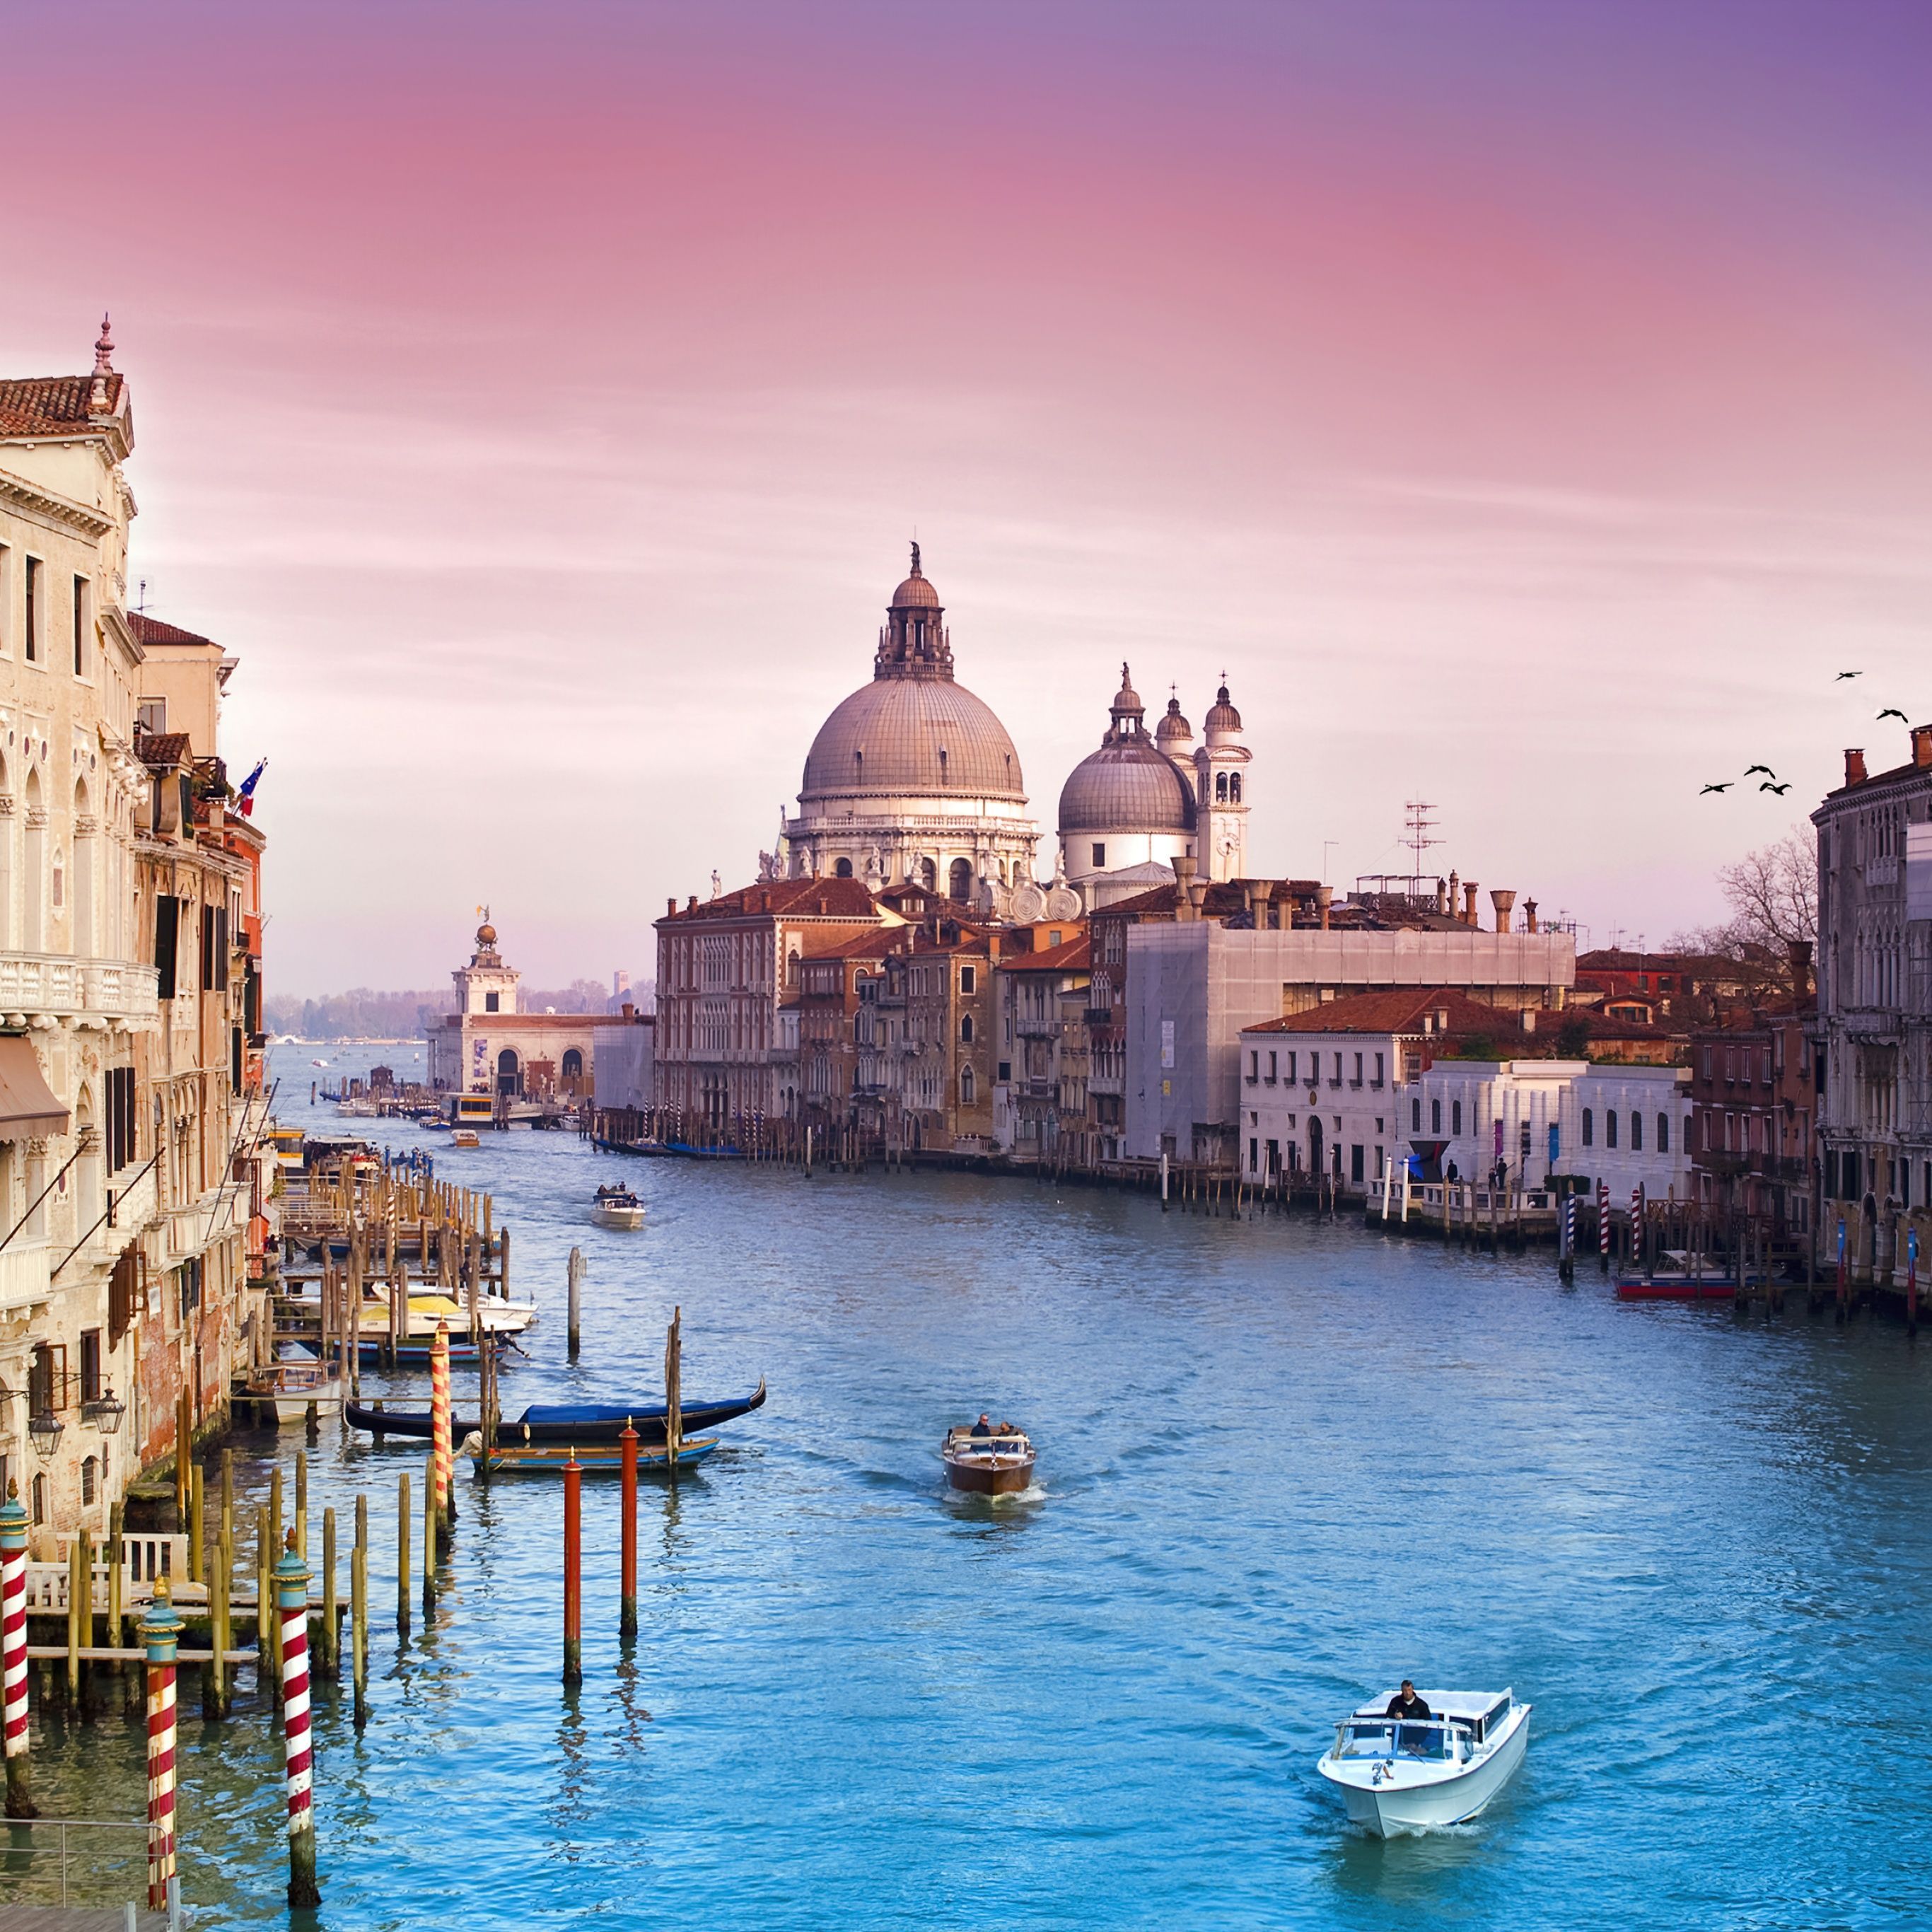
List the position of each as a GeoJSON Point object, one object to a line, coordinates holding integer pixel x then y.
{"type": "Point", "coordinates": [1528, 406]}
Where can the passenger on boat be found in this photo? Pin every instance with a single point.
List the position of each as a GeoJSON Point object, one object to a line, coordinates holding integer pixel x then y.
{"type": "Point", "coordinates": [983, 1426]}
{"type": "Point", "coordinates": [1406, 1704]}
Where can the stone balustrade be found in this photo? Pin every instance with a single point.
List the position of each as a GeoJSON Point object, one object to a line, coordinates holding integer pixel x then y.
{"type": "Point", "coordinates": [56, 982]}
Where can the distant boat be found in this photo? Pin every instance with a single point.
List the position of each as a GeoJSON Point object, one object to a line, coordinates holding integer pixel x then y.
{"type": "Point", "coordinates": [1398, 1774]}
{"type": "Point", "coordinates": [318, 1063]}
{"type": "Point", "coordinates": [617, 1207]}
{"type": "Point", "coordinates": [1000, 1464]}
{"type": "Point", "coordinates": [465, 1137]}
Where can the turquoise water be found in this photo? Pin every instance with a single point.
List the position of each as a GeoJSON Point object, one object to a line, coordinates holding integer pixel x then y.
{"type": "Point", "coordinates": [1282, 1465]}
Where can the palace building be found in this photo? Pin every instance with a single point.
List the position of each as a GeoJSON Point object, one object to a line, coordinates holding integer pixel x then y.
{"type": "Point", "coordinates": [488, 1046]}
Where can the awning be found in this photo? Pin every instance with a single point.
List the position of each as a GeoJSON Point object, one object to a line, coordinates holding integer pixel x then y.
{"type": "Point", "coordinates": [28, 1107]}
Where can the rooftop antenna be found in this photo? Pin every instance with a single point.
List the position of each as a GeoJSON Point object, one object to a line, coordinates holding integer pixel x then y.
{"type": "Point", "coordinates": [141, 595]}
{"type": "Point", "coordinates": [1417, 826]}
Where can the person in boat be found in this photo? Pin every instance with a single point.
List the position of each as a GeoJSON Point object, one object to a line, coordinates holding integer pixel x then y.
{"type": "Point", "coordinates": [983, 1426]}
{"type": "Point", "coordinates": [1406, 1704]}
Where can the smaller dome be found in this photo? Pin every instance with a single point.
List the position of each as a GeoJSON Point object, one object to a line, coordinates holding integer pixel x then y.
{"type": "Point", "coordinates": [1127, 699]}
{"type": "Point", "coordinates": [1125, 786]}
{"type": "Point", "coordinates": [916, 593]}
{"type": "Point", "coordinates": [1173, 725]}
{"type": "Point", "coordinates": [1224, 717]}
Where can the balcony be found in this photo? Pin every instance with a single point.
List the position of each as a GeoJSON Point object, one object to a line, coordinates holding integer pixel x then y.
{"type": "Point", "coordinates": [55, 983]}
{"type": "Point", "coordinates": [24, 1265]}
{"type": "Point", "coordinates": [1034, 1027]}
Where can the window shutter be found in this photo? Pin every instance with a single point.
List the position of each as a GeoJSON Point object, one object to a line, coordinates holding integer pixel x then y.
{"type": "Point", "coordinates": [167, 933]}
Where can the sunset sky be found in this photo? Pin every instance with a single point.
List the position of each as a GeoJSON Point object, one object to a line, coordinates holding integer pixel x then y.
{"type": "Point", "coordinates": [1527, 402]}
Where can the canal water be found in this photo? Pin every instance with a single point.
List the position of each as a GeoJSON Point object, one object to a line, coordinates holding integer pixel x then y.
{"type": "Point", "coordinates": [1283, 1465]}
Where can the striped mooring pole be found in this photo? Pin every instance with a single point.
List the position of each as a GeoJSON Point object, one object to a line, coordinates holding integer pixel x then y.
{"type": "Point", "coordinates": [160, 1633]}
{"type": "Point", "coordinates": [573, 1576]}
{"type": "Point", "coordinates": [1636, 1229]}
{"type": "Point", "coordinates": [1566, 1258]}
{"type": "Point", "coordinates": [439, 1411]}
{"type": "Point", "coordinates": [292, 1603]}
{"type": "Point", "coordinates": [1603, 1225]}
{"type": "Point", "coordinates": [627, 1607]}
{"type": "Point", "coordinates": [13, 1631]}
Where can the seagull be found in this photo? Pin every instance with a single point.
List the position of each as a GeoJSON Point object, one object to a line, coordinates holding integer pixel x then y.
{"type": "Point", "coordinates": [1725, 787]}
{"type": "Point", "coordinates": [1779, 789]}
{"type": "Point", "coordinates": [1889, 712]}
{"type": "Point", "coordinates": [1843, 674]}
{"type": "Point", "coordinates": [1766, 769]}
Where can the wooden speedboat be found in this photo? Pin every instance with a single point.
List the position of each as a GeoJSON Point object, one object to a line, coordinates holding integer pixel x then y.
{"type": "Point", "coordinates": [1401, 1774]}
{"type": "Point", "coordinates": [997, 1464]}
{"type": "Point", "coordinates": [588, 1425]}
{"type": "Point", "coordinates": [465, 1137]}
{"type": "Point", "coordinates": [284, 1390]}
{"type": "Point", "coordinates": [617, 1207]}
{"type": "Point", "coordinates": [494, 1315]}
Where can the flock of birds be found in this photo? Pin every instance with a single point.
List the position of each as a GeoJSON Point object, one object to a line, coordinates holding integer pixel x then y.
{"type": "Point", "coordinates": [1769, 781]}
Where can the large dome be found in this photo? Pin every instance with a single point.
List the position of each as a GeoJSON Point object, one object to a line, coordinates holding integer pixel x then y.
{"type": "Point", "coordinates": [1126, 786]}
{"type": "Point", "coordinates": [918, 737]}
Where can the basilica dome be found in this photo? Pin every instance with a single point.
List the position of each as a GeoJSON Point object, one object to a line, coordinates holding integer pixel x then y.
{"type": "Point", "coordinates": [922, 736]}
{"type": "Point", "coordinates": [1127, 786]}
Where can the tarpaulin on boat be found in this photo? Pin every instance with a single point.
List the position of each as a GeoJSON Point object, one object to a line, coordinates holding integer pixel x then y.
{"type": "Point", "coordinates": [27, 1108]}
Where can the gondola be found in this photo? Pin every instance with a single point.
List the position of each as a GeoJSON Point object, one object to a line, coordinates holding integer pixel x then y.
{"type": "Point", "coordinates": [585, 1422]}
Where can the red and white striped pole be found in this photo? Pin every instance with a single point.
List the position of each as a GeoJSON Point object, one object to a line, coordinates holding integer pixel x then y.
{"type": "Point", "coordinates": [1603, 1225]}
{"type": "Point", "coordinates": [13, 1643]}
{"type": "Point", "coordinates": [160, 1633]}
{"type": "Point", "coordinates": [292, 1603]}
{"type": "Point", "coordinates": [440, 1425]}
{"type": "Point", "coordinates": [1636, 1227]}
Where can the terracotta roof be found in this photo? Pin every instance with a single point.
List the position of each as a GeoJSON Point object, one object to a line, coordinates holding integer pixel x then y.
{"type": "Point", "coordinates": [1401, 1011]}
{"type": "Point", "coordinates": [1076, 956]}
{"type": "Point", "coordinates": [1224, 897]}
{"type": "Point", "coordinates": [866, 945]}
{"type": "Point", "coordinates": [53, 405]}
{"type": "Point", "coordinates": [789, 899]}
{"type": "Point", "coordinates": [160, 748]}
{"type": "Point", "coordinates": [151, 630]}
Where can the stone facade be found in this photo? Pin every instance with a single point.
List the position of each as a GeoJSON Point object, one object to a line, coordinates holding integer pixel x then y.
{"type": "Point", "coordinates": [490, 1045]}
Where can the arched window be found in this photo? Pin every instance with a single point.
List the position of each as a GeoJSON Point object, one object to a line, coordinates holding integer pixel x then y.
{"type": "Point", "coordinates": [1234, 787]}
{"type": "Point", "coordinates": [1436, 1117]}
{"type": "Point", "coordinates": [1609, 1126]}
{"type": "Point", "coordinates": [1663, 1133]}
{"type": "Point", "coordinates": [84, 847]}
{"type": "Point", "coordinates": [1221, 788]}
{"type": "Point", "coordinates": [965, 1086]}
{"type": "Point", "coordinates": [573, 1064]}
{"type": "Point", "coordinates": [966, 1028]}
{"type": "Point", "coordinates": [959, 881]}
{"type": "Point", "coordinates": [39, 1498]}
{"type": "Point", "coordinates": [509, 1081]}
{"type": "Point", "coordinates": [1589, 1128]}
{"type": "Point", "coordinates": [928, 874]}
{"type": "Point", "coordinates": [89, 1477]}
{"type": "Point", "coordinates": [34, 865]}
{"type": "Point", "coordinates": [1455, 1116]}
{"type": "Point", "coordinates": [842, 869]}
{"type": "Point", "coordinates": [1636, 1133]}
{"type": "Point", "coordinates": [1415, 1117]}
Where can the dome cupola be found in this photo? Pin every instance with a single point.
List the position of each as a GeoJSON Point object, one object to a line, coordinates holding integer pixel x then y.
{"type": "Point", "coordinates": [1223, 721]}
{"type": "Point", "coordinates": [1173, 731]}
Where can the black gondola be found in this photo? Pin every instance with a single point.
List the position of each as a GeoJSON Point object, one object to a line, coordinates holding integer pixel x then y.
{"type": "Point", "coordinates": [571, 1422]}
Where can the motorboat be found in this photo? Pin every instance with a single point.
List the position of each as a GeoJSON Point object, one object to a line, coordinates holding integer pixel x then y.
{"type": "Point", "coordinates": [285, 1389]}
{"type": "Point", "coordinates": [588, 1425]}
{"type": "Point", "coordinates": [998, 1464]}
{"type": "Point", "coordinates": [512, 1456]}
{"type": "Point", "coordinates": [1401, 1774]}
{"type": "Point", "coordinates": [465, 1137]}
{"type": "Point", "coordinates": [617, 1207]}
{"type": "Point", "coordinates": [428, 1311]}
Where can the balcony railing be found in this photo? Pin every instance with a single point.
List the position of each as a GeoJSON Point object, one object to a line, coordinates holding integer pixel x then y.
{"type": "Point", "coordinates": [23, 1273]}
{"type": "Point", "coordinates": [54, 983]}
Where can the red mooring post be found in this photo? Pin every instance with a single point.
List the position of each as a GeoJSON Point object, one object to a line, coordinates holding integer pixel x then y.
{"type": "Point", "coordinates": [573, 1570]}
{"type": "Point", "coordinates": [13, 1643]}
{"type": "Point", "coordinates": [627, 1611]}
{"type": "Point", "coordinates": [292, 1604]}
{"type": "Point", "coordinates": [446, 1458]}
{"type": "Point", "coordinates": [160, 1632]}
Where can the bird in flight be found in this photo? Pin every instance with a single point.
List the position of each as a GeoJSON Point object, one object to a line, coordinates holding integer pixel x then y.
{"type": "Point", "coordinates": [1749, 769]}
{"type": "Point", "coordinates": [1779, 789]}
{"type": "Point", "coordinates": [1843, 674]}
{"type": "Point", "coordinates": [1725, 787]}
{"type": "Point", "coordinates": [1889, 712]}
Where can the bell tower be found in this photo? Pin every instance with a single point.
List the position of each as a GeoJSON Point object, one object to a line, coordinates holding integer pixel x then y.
{"type": "Point", "coordinates": [1220, 783]}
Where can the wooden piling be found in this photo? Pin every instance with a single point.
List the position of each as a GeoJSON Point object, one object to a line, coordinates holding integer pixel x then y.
{"type": "Point", "coordinates": [116, 1517]}
{"type": "Point", "coordinates": [228, 1499]}
{"type": "Point", "coordinates": [573, 1561]}
{"type": "Point", "coordinates": [330, 1651]}
{"type": "Point", "coordinates": [184, 1452]}
{"type": "Point", "coordinates": [214, 1700]}
{"type": "Point", "coordinates": [195, 1501]}
{"type": "Point", "coordinates": [627, 1607]}
{"type": "Point", "coordinates": [429, 1526]}
{"type": "Point", "coordinates": [274, 1517]}
{"type": "Point", "coordinates": [403, 1554]}
{"type": "Point", "coordinates": [301, 1504]}
{"type": "Point", "coordinates": [576, 1289]}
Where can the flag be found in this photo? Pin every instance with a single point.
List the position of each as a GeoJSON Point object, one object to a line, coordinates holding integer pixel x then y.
{"type": "Point", "coordinates": [245, 794]}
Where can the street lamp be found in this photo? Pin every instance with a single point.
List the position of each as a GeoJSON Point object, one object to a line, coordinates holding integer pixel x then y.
{"type": "Point", "coordinates": [47, 1429]}
{"type": "Point", "coordinates": [104, 1412]}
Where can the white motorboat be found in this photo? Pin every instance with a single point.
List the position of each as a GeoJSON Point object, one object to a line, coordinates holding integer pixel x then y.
{"type": "Point", "coordinates": [1399, 1774]}
{"type": "Point", "coordinates": [617, 1207]}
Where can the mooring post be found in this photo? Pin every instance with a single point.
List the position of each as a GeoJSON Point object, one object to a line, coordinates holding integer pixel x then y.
{"type": "Point", "coordinates": [292, 1600]}
{"type": "Point", "coordinates": [13, 1650]}
{"type": "Point", "coordinates": [266, 1655]}
{"type": "Point", "coordinates": [196, 1498]}
{"type": "Point", "coordinates": [359, 1610]}
{"type": "Point", "coordinates": [160, 1634]}
{"type": "Point", "coordinates": [331, 1633]}
{"type": "Point", "coordinates": [214, 1701]}
{"type": "Point", "coordinates": [443, 1459]}
{"type": "Point", "coordinates": [573, 1558]}
{"type": "Point", "coordinates": [274, 1518]}
{"type": "Point", "coordinates": [77, 1594]}
{"type": "Point", "coordinates": [1163, 1180]}
{"type": "Point", "coordinates": [431, 1527]}
{"type": "Point", "coordinates": [403, 1554]}
{"type": "Point", "coordinates": [576, 1276]}
{"type": "Point", "coordinates": [301, 1504]}
{"type": "Point", "coordinates": [627, 1608]}
{"type": "Point", "coordinates": [228, 1499]}
{"type": "Point", "coordinates": [184, 1449]}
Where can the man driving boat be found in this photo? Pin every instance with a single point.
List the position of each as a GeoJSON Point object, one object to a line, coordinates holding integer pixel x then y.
{"type": "Point", "coordinates": [1406, 1704]}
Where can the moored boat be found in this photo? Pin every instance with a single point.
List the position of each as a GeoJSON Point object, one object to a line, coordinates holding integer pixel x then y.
{"type": "Point", "coordinates": [588, 1425]}
{"type": "Point", "coordinates": [1678, 1288]}
{"type": "Point", "coordinates": [997, 1462]}
{"type": "Point", "coordinates": [617, 1207]}
{"type": "Point", "coordinates": [512, 1456]}
{"type": "Point", "coordinates": [1401, 1774]}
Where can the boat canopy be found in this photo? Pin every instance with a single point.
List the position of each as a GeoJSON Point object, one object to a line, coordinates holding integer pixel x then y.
{"type": "Point", "coordinates": [1470, 1706]}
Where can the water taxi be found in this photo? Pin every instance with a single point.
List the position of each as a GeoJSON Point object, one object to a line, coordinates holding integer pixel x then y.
{"type": "Point", "coordinates": [617, 1207]}
{"type": "Point", "coordinates": [472, 1110]}
{"type": "Point", "coordinates": [999, 1463]}
{"type": "Point", "coordinates": [1401, 1774]}
{"type": "Point", "coordinates": [465, 1137]}
{"type": "Point", "coordinates": [494, 1316]}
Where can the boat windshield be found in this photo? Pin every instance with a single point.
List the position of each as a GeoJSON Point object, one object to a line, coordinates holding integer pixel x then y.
{"type": "Point", "coordinates": [1383, 1737]}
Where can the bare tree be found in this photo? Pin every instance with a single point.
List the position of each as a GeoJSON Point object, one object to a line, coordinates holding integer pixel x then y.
{"type": "Point", "coordinates": [1771, 897]}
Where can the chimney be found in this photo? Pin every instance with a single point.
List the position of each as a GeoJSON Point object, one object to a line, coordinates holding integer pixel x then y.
{"type": "Point", "coordinates": [1855, 767]}
{"type": "Point", "coordinates": [1803, 991]}
{"type": "Point", "coordinates": [1469, 903]}
{"type": "Point", "coordinates": [1454, 908]}
{"type": "Point", "coordinates": [671, 907]}
{"type": "Point", "coordinates": [1324, 896]}
{"type": "Point", "coordinates": [691, 903]}
{"type": "Point", "coordinates": [1183, 878]}
{"type": "Point", "coordinates": [1921, 745]}
{"type": "Point", "coordinates": [1529, 915]}
{"type": "Point", "coordinates": [1441, 895]}
{"type": "Point", "coordinates": [1502, 902]}
{"type": "Point", "coordinates": [628, 1009]}
{"type": "Point", "coordinates": [1258, 899]}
